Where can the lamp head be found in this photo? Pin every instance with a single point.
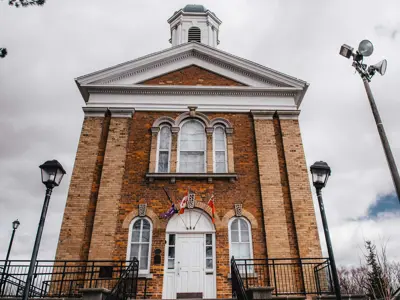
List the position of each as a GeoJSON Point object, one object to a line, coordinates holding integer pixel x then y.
{"type": "Point", "coordinates": [320, 173]}
{"type": "Point", "coordinates": [365, 48]}
{"type": "Point", "coordinates": [346, 51]}
{"type": "Point", "coordinates": [52, 173]}
{"type": "Point", "coordinates": [15, 224]}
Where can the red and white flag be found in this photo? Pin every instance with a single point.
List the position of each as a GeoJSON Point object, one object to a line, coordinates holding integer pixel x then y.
{"type": "Point", "coordinates": [211, 204]}
{"type": "Point", "coordinates": [183, 204]}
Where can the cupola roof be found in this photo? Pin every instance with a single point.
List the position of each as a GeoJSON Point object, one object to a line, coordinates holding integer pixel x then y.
{"type": "Point", "coordinates": [194, 8]}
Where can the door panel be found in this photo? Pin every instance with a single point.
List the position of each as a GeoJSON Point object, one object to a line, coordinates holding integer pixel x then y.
{"type": "Point", "coordinates": [190, 260]}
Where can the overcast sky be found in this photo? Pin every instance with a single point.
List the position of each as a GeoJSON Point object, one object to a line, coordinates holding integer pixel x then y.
{"type": "Point", "coordinates": [49, 46]}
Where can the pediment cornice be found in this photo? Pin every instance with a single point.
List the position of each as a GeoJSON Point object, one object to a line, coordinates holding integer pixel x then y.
{"type": "Point", "coordinates": [193, 90]}
{"type": "Point", "coordinates": [125, 78]}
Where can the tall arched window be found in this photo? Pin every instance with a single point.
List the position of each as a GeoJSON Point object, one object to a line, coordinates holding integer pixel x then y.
{"type": "Point", "coordinates": [194, 34]}
{"type": "Point", "coordinates": [220, 163]}
{"type": "Point", "coordinates": [192, 147]}
{"type": "Point", "coordinates": [240, 245]}
{"type": "Point", "coordinates": [164, 149]}
{"type": "Point", "coordinates": [139, 246]}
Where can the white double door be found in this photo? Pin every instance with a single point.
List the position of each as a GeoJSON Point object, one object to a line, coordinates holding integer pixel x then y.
{"type": "Point", "coordinates": [188, 274]}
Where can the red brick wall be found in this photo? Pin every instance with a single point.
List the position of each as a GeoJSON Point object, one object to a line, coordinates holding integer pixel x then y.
{"type": "Point", "coordinates": [192, 75]}
{"type": "Point", "coordinates": [137, 190]}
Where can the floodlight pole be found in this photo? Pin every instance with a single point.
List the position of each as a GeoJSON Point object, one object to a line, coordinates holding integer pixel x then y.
{"type": "Point", "coordinates": [382, 134]}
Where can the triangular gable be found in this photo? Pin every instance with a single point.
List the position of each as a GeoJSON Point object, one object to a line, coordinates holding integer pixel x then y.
{"type": "Point", "coordinates": [192, 75]}
{"type": "Point", "coordinates": [140, 74]}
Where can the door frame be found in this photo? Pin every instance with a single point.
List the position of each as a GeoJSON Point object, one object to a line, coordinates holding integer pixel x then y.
{"type": "Point", "coordinates": [166, 270]}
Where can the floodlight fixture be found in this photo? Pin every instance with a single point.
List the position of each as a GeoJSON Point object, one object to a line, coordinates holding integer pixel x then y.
{"type": "Point", "coordinates": [346, 51]}
{"type": "Point", "coordinates": [365, 48]}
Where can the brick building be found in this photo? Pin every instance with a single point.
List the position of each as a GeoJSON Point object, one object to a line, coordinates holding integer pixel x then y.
{"type": "Point", "coordinates": [189, 118]}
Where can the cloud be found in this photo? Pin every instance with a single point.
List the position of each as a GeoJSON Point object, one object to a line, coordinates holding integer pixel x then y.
{"type": "Point", "coordinates": [49, 46]}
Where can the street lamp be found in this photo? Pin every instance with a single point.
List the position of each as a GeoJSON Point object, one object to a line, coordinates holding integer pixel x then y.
{"type": "Point", "coordinates": [52, 173]}
{"type": "Point", "coordinates": [15, 225]}
{"type": "Point", "coordinates": [320, 172]}
{"type": "Point", "coordinates": [365, 49]}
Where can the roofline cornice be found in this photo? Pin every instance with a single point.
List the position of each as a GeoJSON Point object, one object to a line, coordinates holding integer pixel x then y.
{"type": "Point", "coordinates": [181, 12]}
{"type": "Point", "coordinates": [191, 90]}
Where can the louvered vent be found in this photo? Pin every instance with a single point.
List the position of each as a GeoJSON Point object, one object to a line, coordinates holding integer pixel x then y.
{"type": "Point", "coordinates": [194, 34]}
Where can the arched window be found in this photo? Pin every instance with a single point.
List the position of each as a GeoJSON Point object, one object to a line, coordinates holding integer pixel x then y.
{"type": "Point", "coordinates": [220, 163]}
{"type": "Point", "coordinates": [139, 246]}
{"type": "Point", "coordinates": [240, 245]}
{"type": "Point", "coordinates": [164, 149]}
{"type": "Point", "coordinates": [192, 147]}
{"type": "Point", "coordinates": [194, 34]}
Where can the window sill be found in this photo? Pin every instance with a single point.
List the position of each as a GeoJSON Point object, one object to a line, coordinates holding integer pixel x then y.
{"type": "Point", "coordinates": [209, 176]}
{"type": "Point", "coordinates": [145, 276]}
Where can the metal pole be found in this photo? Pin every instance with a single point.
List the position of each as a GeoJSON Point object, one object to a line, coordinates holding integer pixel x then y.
{"type": "Point", "coordinates": [329, 245]}
{"type": "Point", "coordinates": [37, 243]}
{"type": "Point", "coordinates": [3, 284]}
{"type": "Point", "coordinates": [386, 147]}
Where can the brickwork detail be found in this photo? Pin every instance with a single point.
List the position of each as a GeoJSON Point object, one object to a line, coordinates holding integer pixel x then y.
{"type": "Point", "coordinates": [231, 213]}
{"type": "Point", "coordinates": [103, 237]}
{"type": "Point", "coordinates": [149, 213]}
{"type": "Point", "coordinates": [304, 214]}
{"type": "Point", "coordinates": [287, 200]}
{"type": "Point", "coordinates": [192, 75]}
{"type": "Point", "coordinates": [75, 230]}
{"type": "Point", "coordinates": [271, 190]}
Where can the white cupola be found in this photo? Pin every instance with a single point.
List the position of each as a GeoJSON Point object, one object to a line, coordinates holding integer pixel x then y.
{"type": "Point", "coordinates": [194, 23]}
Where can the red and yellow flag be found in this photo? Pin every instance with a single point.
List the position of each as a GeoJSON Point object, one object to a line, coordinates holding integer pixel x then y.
{"type": "Point", "coordinates": [211, 204]}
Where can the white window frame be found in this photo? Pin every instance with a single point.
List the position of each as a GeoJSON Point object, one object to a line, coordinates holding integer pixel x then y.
{"type": "Point", "coordinates": [158, 147]}
{"type": "Point", "coordinates": [214, 150]}
{"type": "Point", "coordinates": [128, 251]}
{"type": "Point", "coordinates": [250, 236]}
{"type": "Point", "coordinates": [179, 145]}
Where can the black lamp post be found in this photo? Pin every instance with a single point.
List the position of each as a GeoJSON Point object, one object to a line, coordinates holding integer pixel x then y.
{"type": "Point", "coordinates": [320, 173]}
{"type": "Point", "coordinates": [15, 225]}
{"type": "Point", "coordinates": [52, 173]}
{"type": "Point", "coordinates": [365, 49]}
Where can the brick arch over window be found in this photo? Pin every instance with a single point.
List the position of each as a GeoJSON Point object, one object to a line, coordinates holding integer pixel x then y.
{"type": "Point", "coordinates": [231, 213]}
{"type": "Point", "coordinates": [221, 121]}
{"type": "Point", "coordinates": [163, 120]}
{"type": "Point", "coordinates": [197, 115]}
{"type": "Point", "coordinates": [149, 213]}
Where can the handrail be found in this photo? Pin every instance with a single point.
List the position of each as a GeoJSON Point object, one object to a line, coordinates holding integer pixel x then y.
{"type": "Point", "coordinates": [238, 290]}
{"type": "Point", "coordinates": [126, 286]}
{"type": "Point", "coordinates": [63, 279]}
{"type": "Point", "coordinates": [287, 276]}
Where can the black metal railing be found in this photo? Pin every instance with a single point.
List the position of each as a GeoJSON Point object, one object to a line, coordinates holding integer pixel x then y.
{"type": "Point", "coordinates": [323, 278]}
{"type": "Point", "coordinates": [238, 290]}
{"type": "Point", "coordinates": [126, 286]}
{"type": "Point", "coordinates": [66, 278]}
{"type": "Point", "coordinates": [287, 276]}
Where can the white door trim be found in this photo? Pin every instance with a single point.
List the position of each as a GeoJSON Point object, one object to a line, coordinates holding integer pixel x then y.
{"type": "Point", "coordinates": [170, 275]}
